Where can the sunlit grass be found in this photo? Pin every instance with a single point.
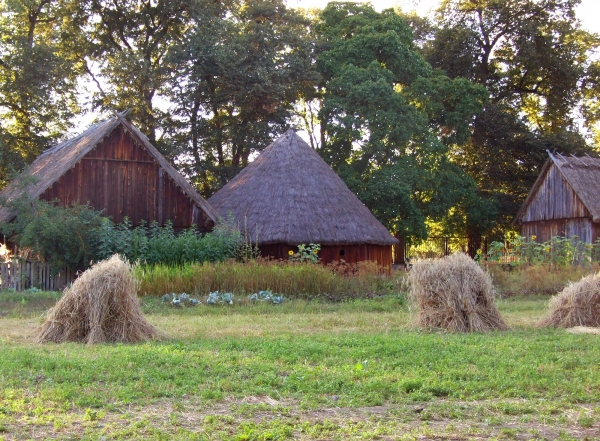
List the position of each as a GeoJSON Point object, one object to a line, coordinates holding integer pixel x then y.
{"type": "Point", "coordinates": [305, 369]}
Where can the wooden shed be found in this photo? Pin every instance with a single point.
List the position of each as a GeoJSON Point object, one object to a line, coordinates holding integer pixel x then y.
{"type": "Point", "coordinates": [289, 196]}
{"type": "Point", "coordinates": [114, 167]}
{"type": "Point", "coordinates": [564, 201]}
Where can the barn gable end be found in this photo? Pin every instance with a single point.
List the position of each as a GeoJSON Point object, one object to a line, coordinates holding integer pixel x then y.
{"type": "Point", "coordinates": [564, 201]}
{"type": "Point", "coordinates": [114, 168]}
{"type": "Point", "coordinates": [554, 198]}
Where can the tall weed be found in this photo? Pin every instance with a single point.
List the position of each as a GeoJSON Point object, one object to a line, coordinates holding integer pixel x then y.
{"type": "Point", "coordinates": [293, 279]}
{"type": "Point", "coordinates": [545, 279]}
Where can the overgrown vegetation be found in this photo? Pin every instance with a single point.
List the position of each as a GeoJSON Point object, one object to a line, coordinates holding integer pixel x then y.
{"type": "Point", "coordinates": [526, 280]}
{"type": "Point", "coordinates": [292, 279]}
{"type": "Point", "coordinates": [77, 235]}
{"type": "Point", "coordinates": [558, 251]}
{"type": "Point", "coordinates": [153, 244]}
{"type": "Point", "coordinates": [45, 231]}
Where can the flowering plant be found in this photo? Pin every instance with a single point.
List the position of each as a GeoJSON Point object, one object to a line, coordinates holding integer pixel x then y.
{"type": "Point", "coordinates": [306, 253]}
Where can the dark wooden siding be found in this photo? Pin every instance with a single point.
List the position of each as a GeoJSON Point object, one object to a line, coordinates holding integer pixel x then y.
{"type": "Point", "coordinates": [583, 228]}
{"type": "Point", "coordinates": [121, 178]}
{"type": "Point", "coordinates": [350, 253]}
{"type": "Point", "coordinates": [554, 199]}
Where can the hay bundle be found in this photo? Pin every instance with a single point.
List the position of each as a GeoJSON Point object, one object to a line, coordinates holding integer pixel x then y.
{"type": "Point", "coordinates": [576, 305]}
{"type": "Point", "coordinates": [101, 306]}
{"type": "Point", "coordinates": [455, 294]}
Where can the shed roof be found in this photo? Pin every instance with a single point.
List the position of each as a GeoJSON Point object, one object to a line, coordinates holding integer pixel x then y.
{"type": "Point", "coordinates": [57, 160]}
{"type": "Point", "coordinates": [290, 195]}
{"type": "Point", "coordinates": [581, 173]}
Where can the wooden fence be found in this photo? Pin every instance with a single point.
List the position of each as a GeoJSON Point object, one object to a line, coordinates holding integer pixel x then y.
{"type": "Point", "coordinates": [24, 274]}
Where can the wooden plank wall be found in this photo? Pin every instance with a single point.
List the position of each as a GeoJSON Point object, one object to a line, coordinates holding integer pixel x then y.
{"type": "Point", "coordinates": [122, 179]}
{"type": "Point", "coordinates": [349, 253]}
{"type": "Point", "coordinates": [554, 199]}
{"type": "Point", "coordinates": [583, 228]}
{"type": "Point", "coordinates": [23, 274]}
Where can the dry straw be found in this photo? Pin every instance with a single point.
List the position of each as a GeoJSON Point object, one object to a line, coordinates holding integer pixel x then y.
{"type": "Point", "coordinates": [454, 294]}
{"type": "Point", "coordinates": [101, 306]}
{"type": "Point", "coordinates": [576, 305]}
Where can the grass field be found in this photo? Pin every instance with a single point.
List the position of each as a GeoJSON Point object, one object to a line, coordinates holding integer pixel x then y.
{"type": "Point", "coordinates": [301, 370]}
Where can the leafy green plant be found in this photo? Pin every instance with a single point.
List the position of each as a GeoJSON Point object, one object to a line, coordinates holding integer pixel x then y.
{"type": "Point", "coordinates": [306, 253]}
{"type": "Point", "coordinates": [155, 244]}
{"type": "Point", "coordinates": [558, 251]}
{"type": "Point", "coordinates": [219, 298]}
{"type": "Point", "coordinates": [46, 231]}
{"type": "Point", "coordinates": [266, 296]}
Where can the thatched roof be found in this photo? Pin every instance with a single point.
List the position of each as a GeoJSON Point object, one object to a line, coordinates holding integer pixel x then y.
{"type": "Point", "coordinates": [57, 160]}
{"type": "Point", "coordinates": [289, 195]}
{"type": "Point", "coordinates": [581, 173]}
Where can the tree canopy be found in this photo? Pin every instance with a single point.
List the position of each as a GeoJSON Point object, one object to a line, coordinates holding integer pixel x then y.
{"type": "Point", "coordinates": [442, 120]}
{"type": "Point", "coordinates": [38, 77]}
{"type": "Point", "coordinates": [535, 61]}
{"type": "Point", "coordinates": [388, 118]}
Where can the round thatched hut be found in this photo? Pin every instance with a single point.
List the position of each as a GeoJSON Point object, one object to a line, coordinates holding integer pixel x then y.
{"type": "Point", "coordinates": [290, 196]}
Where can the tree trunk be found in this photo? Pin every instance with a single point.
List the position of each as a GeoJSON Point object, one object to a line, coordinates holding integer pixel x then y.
{"type": "Point", "coordinates": [473, 240]}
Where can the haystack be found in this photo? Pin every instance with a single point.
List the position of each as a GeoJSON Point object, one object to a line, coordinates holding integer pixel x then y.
{"type": "Point", "coordinates": [454, 294]}
{"type": "Point", "coordinates": [101, 306]}
{"type": "Point", "coordinates": [576, 305]}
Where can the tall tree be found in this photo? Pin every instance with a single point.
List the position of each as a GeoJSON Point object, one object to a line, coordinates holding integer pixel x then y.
{"type": "Point", "coordinates": [388, 118]}
{"type": "Point", "coordinates": [534, 59]}
{"type": "Point", "coordinates": [37, 80]}
{"type": "Point", "coordinates": [238, 72]}
{"type": "Point", "coordinates": [124, 44]}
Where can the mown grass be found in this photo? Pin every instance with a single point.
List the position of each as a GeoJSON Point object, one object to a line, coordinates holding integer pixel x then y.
{"type": "Point", "coordinates": [302, 370]}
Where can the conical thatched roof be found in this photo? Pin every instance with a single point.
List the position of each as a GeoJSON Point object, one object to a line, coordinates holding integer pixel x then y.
{"type": "Point", "coordinates": [57, 160]}
{"type": "Point", "coordinates": [290, 195]}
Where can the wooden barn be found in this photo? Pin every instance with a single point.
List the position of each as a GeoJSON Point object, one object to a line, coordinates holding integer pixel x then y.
{"type": "Point", "coordinates": [113, 167]}
{"type": "Point", "coordinates": [564, 201]}
{"type": "Point", "coordinates": [289, 196]}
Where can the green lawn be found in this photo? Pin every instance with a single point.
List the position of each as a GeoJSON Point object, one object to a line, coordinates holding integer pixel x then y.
{"type": "Point", "coordinates": [301, 370]}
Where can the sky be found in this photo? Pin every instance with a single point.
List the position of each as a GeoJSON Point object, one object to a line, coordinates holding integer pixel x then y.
{"type": "Point", "coordinates": [588, 11]}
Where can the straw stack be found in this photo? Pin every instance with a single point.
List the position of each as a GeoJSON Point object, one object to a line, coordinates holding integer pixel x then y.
{"type": "Point", "coordinates": [576, 305]}
{"type": "Point", "coordinates": [454, 294]}
{"type": "Point", "coordinates": [101, 306]}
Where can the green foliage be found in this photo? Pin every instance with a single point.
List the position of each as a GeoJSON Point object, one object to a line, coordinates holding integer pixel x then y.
{"type": "Point", "coordinates": [558, 251]}
{"type": "Point", "coordinates": [533, 58]}
{"type": "Point", "coordinates": [75, 236]}
{"type": "Point", "coordinates": [37, 81]}
{"type": "Point", "coordinates": [239, 69]}
{"type": "Point", "coordinates": [153, 244]}
{"type": "Point", "coordinates": [388, 118]}
{"type": "Point", "coordinates": [46, 231]}
{"type": "Point", "coordinates": [123, 44]}
{"type": "Point", "coordinates": [306, 253]}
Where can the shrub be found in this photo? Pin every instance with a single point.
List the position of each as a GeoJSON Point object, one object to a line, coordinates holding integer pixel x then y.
{"type": "Point", "coordinates": [45, 231]}
{"type": "Point", "coordinates": [153, 244]}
